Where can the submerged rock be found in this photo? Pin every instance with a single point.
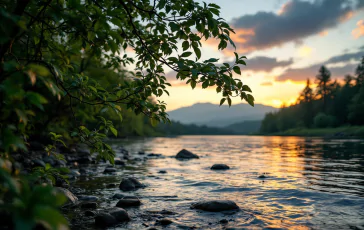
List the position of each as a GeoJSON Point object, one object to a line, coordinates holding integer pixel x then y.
{"type": "Point", "coordinates": [125, 202]}
{"type": "Point", "coordinates": [130, 184]}
{"type": "Point", "coordinates": [262, 177]}
{"type": "Point", "coordinates": [215, 205]}
{"type": "Point", "coordinates": [71, 198]}
{"type": "Point", "coordinates": [220, 167]}
{"type": "Point", "coordinates": [165, 222]}
{"type": "Point", "coordinates": [185, 154]}
{"type": "Point", "coordinates": [162, 171]}
{"type": "Point", "coordinates": [111, 217]}
{"type": "Point", "coordinates": [118, 161]}
{"type": "Point", "coordinates": [110, 170]}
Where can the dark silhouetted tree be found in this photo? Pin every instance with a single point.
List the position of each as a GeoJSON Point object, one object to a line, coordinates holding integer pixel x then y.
{"type": "Point", "coordinates": [323, 80]}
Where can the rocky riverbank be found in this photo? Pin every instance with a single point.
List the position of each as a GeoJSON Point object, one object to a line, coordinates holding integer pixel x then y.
{"type": "Point", "coordinates": [91, 211]}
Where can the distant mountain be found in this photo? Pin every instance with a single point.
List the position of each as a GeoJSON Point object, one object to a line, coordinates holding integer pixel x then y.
{"type": "Point", "coordinates": [213, 115]}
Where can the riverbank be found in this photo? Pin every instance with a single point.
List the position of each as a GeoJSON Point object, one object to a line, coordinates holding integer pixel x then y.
{"type": "Point", "coordinates": [343, 131]}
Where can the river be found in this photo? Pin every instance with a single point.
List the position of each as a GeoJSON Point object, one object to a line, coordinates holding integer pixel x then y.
{"type": "Point", "coordinates": [310, 183]}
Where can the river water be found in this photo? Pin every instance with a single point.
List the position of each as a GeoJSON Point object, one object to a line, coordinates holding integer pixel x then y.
{"type": "Point", "coordinates": [311, 183]}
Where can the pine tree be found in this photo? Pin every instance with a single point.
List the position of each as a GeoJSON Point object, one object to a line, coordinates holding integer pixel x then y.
{"type": "Point", "coordinates": [323, 80]}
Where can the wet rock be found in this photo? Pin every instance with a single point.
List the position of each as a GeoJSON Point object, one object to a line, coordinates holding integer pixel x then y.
{"type": "Point", "coordinates": [111, 217]}
{"type": "Point", "coordinates": [88, 198]}
{"type": "Point", "coordinates": [105, 220]}
{"type": "Point", "coordinates": [262, 177]}
{"type": "Point", "coordinates": [215, 205]}
{"type": "Point", "coordinates": [73, 174]}
{"type": "Point", "coordinates": [124, 203]}
{"type": "Point", "coordinates": [118, 161]}
{"type": "Point", "coordinates": [141, 153]}
{"type": "Point", "coordinates": [165, 222]}
{"type": "Point", "coordinates": [154, 155]}
{"type": "Point", "coordinates": [38, 163]}
{"type": "Point", "coordinates": [185, 154]}
{"type": "Point", "coordinates": [110, 169]}
{"type": "Point", "coordinates": [89, 205]}
{"type": "Point", "coordinates": [162, 171]}
{"type": "Point", "coordinates": [83, 171]}
{"type": "Point", "coordinates": [71, 198]}
{"type": "Point", "coordinates": [89, 213]}
{"type": "Point", "coordinates": [224, 221]}
{"type": "Point", "coordinates": [130, 184]}
{"type": "Point", "coordinates": [220, 167]}
{"type": "Point", "coordinates": [166, 212]}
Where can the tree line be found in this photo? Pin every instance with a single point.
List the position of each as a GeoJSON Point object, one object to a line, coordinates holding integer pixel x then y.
{"type": "Point", "coordinates": [332, 103]}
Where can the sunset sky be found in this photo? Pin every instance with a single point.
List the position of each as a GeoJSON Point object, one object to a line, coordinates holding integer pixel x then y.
{"type": "Point", "coordinates": [285, 42]}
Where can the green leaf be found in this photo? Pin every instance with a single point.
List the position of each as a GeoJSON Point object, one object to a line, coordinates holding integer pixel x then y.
{"type": "Point", "coordinates": [205, 84]}
{"type": "Point", "coordinates": [114, 131]}
{"type": "Point", "coordinates": [36, 99]}
{"type": "Point", "coordinates": [237, 70]}
{"type": "Point", "coordinates": [185, 45]}
{"type": "Point", "coordinates": [186, 54]}
{"type": "Point", "coordinates": [222, 101]}
{"type": "Point", "coordinates": [250, 99]}
{"type": "Point", "coordinates": [229, 101]}
{"type": "Point", "coordinates": [246, 88]}
{"type": "Point", "coordinates": [197, 52]}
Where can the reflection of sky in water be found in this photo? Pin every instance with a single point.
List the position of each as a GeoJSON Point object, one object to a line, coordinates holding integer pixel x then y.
{"type": "Point", "coordinates": [310, 182]}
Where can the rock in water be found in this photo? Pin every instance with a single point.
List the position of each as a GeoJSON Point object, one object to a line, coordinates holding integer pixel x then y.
{"type": "Point", "coordinates": [215, 205]}
{"type": "Point", "coordinates": [111, 217]}
{"type": "Point", "coordinates": [105, 220]}
{"type": "Point", "coordinates": [71, 199]}
{"type": "Point", "coordinates": [124, 203]}
{"type": "Point", "coordinates": [165, 222]}
{"type": "Point", "coordinates": [220, 167]}
{"type": "Point", "coordinates": [185, 154]}
{"type": "Point", "coordinates": [110, 170]}
{"type": "Point", "coordinates": [130, 184]}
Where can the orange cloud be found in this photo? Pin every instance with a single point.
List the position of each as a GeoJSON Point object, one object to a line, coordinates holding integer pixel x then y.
{"type": "Point", "coordinates": [359, 30]}
{"type": "Point", "coordinates": [323, 33]}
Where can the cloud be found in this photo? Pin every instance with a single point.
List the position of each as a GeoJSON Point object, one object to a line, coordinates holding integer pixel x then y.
{"type": "Point", "coordinates": [265, 64]}
{"type": "Point", "coordinates": [296, 20]}
{"type": "Point", "coordinates": [301, 74]}
{"type": "Point", "coordinates": [359, 30]}
{"type": "Point", "coordinates": [266, 83]}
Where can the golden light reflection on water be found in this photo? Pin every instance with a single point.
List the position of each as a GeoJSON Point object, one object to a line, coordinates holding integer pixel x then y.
{"type": "Point", "coordinates": [305, 185]}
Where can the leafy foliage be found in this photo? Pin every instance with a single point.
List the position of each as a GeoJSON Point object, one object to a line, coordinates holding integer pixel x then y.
{"type": "Point", "coordinates": [65, 70]}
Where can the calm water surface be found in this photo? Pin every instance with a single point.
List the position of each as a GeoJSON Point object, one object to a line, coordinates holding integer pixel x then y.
{"type": "Point", "coordinates": [311, 183]}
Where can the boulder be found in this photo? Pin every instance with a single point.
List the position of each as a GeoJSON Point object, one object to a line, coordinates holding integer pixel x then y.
{"type": "Point", "coordinates": [71, 198]}
{"type": "Point", "coordinates": [185, 154]}
{"type": "Point", "coordinates": [130, 184]}
{"type": "Point", "coordinates": [220, 167]}
{"type": "Point", "coordinates": [215, 205]}
{"type": "Point", "coordinates": [124, 203]}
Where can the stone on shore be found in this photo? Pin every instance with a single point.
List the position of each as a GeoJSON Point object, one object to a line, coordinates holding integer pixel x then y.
{"type": "Point", "coordinates": [185, 154]}
{"type": "Point", "coordinates": [220, 167]}
{"type": "Point", "coordinates": [215, 205]}
{"type": "Point", "coordinates": [71, 198]}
